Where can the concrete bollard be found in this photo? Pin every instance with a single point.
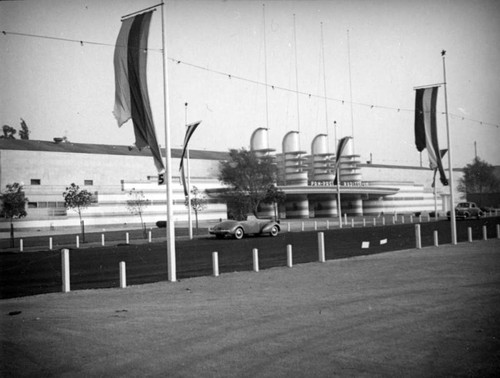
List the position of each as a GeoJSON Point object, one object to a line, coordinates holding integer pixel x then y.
{"type": "Point", "coordinates": [288, 226]}
{"type": "Point", "coordinates": [352, 222]}
{"type": "Point", "coordinates": [345, 218]}
{"type": "Point", "coordinates": [77, 241]}
{"type": "Point", "coordinates": [498, 231]}
{"type": "Point", "coordinates": [402, 219]}
{"type": "Point", "coordinates": [50, 244]}
{"type": "Point", "coordinates": [420, 219]}
{"type": "Point", "coordinates": [418, 239]}
{"type": "Point", "coordinates": [127, 238]}
{"type": "Point", "coordinates": [436, 240]}
{"type": "Point", "coordinates": [255, 253]}
{"type": "Point", "coordinates": [289, 258]}
{"type": "Point", "coordinates": [123, 275]}
{"type": "Point", "coordinates": [65, 270]}
{"type": "Point", "coordinates": [411, 218]}
{"type": "Point", "coordinates": [374, 222]}
{"type": "Point", "coordinates": [469, 234]}
{"type": "Point", "coordinates": [302, 226]}
{"type": "Point", "coordinates": [393, 220]}
{"type": "Point", "coordinates": [149, 236]}
{"type": "Point", "coordinates": [327, 224]}
{"type": "Point", "coordinates": [315, 225]}
{"type": "Point", "coordinates": [215, 263]}
{"type": "Point", "coordinates": [364, 222]}
{"type": "Point", "coordinates": [485, 233]}
{"type": "Point", "coordinates": [103, 242]}
{"type": "Point", "coordinates": [21, 245]}
{"type": "Point", "coordinates": [321, 247]}
{"type": "Point", "coordinates": [383, 221]}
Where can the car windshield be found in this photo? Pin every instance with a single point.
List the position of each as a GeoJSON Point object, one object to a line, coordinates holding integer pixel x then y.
{"type": "Point", "coordinates": [465, 204]}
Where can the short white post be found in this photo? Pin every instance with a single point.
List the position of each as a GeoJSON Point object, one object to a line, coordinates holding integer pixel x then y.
{"type": "Point", "coordinates": [65, 270]}
{"type": "Point", "coordinates": [123, 275]}
{"type": "Point", "coordinates": [411, 218]}
{"type": "Point", "coordinates": [469, 234]}
{"type": "Point", "coordinates": [428, 217]}
{"type": "Point", "coordinates": [21, 245]}
{"type": "Point", "coordinates": [288, 226]}
{"type": "Point", "coordinates": [321, 247]}
{"type": "Point", "coordinates": [289, 258]}
{"type": "Point", "coordinates": [215, 263]}
{"type": "Point", "coordinates": [498, 231]}
{"type": "Point", "coordinates": [255, 252]}
{"type": "Point", "coordinates": [149, 236]}
{"type": "Point", "coordinates": [420, 218]}
{"type": "Point", "coordinates": [383, 221]}
{"type": "Point", "coordinates": [77, 241]}
{"type": "Point", "coordinates": [102, 240]}
{"type": "Point", "coordinates": [374, 221]}
{"type": "Point", "coordinates": [50, 244]}
{"type": "Point", "coordinates": [302, 226]}
{"type": "Point", "coordinates": [352, 222]}
{"type": "Point", "coordinates": [345, 218]}
{"type": "Point", "coordinates": [402, 219]}
{"type": "Point", "coordinates": [127, 238]}
{"type": "Point", "coordinates": [327, 224]}
{"type": "Point", "coordinates": [418, 239]}
{"type": "Point", "coordinates": [393, 220]}
{"type": "Point", "coordinates": [315, 225]}
{"type": "Point", "coordinates": [436, 239]}
{"type": "Point", "coordinates": [364, 222]}
{"type": "Point", "coordinates": [485, 233]}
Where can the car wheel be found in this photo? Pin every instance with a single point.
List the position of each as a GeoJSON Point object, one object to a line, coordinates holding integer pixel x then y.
{"type": "Point", "coordinates": [238, 234]}
{"type": "Point", "coordinates": [274, 231]}
{"type": "Point", "coordinates": [466, 215]}
{"type": "Point", "coordinates": [480, 215]}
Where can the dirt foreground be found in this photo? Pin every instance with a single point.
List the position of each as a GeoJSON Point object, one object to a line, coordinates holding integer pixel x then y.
{"type": "Point", "coordinates": [430, 312]}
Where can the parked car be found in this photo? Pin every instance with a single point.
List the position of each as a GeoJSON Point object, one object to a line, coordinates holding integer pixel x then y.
{"type": "Point", "coordinates": [466, 210]}
{"type": "Point", "coordinates": [238, 229]}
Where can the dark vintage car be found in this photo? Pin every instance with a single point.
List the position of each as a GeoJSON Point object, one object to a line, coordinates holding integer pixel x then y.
{"type": "Point", "coordinates": [465, 210]}
{"type": "Point", "coordinates": [238, 229]}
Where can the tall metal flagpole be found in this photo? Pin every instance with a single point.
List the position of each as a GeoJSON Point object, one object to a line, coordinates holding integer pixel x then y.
{"type": "Point", "coordinates": [171, 260]}
{"type": "Point", "coordinates": [190, 219]}
{"type": "Point", "coordinates": [350, 87]}
{"type": "Point", "coordinates": [453, 222]}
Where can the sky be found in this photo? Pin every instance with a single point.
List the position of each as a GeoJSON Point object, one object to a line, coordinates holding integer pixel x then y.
{"type": "Point", "coordinates": [220, 51]}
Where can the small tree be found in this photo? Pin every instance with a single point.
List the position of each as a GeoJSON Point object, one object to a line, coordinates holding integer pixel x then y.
{"type": "Point", "coordinates": [8, 132]}
{"type": "Point", "coordinates": [249, 179]}
{"type": "Point", "coordinates": [478, 178]}
{"type": "Point", "coordinates": [198, 203]}
{"type": "Point", "coordinates": [77, 200]}
{"type": "Point", "coordinates": [137, 204]}
{"type": "Point", "coordinates": [24, 133]}
{"type": "Point", "coordinates": [13, 206]}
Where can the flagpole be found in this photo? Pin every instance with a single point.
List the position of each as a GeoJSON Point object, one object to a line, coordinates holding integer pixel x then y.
{"type": "Point", "coordinates": [450, 164]}
{"type": "Point", "coordinates": [171, 260]}
{"type": "Point", "coordinates": [339, 210]}
{"type": "Point", "coordinates": [190, 220]}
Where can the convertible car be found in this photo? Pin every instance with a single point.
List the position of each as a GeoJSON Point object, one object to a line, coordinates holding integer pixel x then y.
{"type": "Point", "coordinates": [238, 229]}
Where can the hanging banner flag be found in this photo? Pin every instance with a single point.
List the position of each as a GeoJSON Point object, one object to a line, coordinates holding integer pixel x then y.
{"type": "Point", "coordinates": [131, 90]}
{"type": "Point", "coordinates": [340, 149]}
{"type": "Point", "coordinates": [189, 132]}
{"type": "Point", "coordinates": [426, 128]}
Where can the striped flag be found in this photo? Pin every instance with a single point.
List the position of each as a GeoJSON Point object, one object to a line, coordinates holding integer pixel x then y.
{"type": "Point", "coordinates": [131, 90]}
{"type": "Point", "coordinates": [340, 149]}
{"type": "Point", "coordinates": [426, 128]}
{"type": "Point", "coordinates": [189, 132]}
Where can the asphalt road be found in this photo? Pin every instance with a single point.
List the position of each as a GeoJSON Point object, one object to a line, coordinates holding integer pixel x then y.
{"type": "Point", "coordinates": [30, 273]}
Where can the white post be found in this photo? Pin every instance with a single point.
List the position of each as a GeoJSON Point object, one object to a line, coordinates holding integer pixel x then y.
{"type": "Point", "coordinates": [345, 218]}
{"type": "Point", "coordinates": [149, 236]}
{"type": "Point", "coordinates": [215, 263]}
{"type": "Point", "coordinates": [50, 244]}
{"type": "Point", "coordinates": [123, 275]}
{"type": "Point", "coordinates": [469, 234]}
{"type": "Point", "coordinates": [374, 221]}
{"type": "Point", "coordinates": [352, 222]}
{"type": "Point", "coordinates": [315, 225]}
{"type": "Point", "coordinates": [327, 224]}
{"type": "Point", "coordinates": [364, 222]}
{"type": "Point", "coordinates": [498, 231]}
{"type": "Point", "coordinates": [127, 238]}
{"type": "Point", "coordinates": [411, 218]}
{"type": "Point", "coordinates": [436, 240]}
{"type": "Point", "coordinates": [103, 242]}
{"type": "Point", "coordinates": [302, 226]}
{"type": "Point", "coordinates": [418, 239]}
{"type": "Point", "coordinates": [288, 226]}
{"type": "Point", "coordinates": [394, 220]}
{"type": "Point", "coordinates": [402, 219]}
{"type": "Point", "coordinates": [77, 241]}
{"type": "Point", "coordinates": [420, 218]}
{"type": "Point", "coordinates": [255, 253]}
{"type": "Point", "coordinates": [485, 233]}
{"type": "Point", "coordinates": [21, 245]}
{"type": "Point", "coordinates": [171, 260]}
{"type": "Point", "coordinates": [383, 221]}
{"type": "Point", "coordinates": [321, 247]}
{"type": "Point", "coordinates": [289, 259]}
{"type": "Point", "coordinates": [65, 270]}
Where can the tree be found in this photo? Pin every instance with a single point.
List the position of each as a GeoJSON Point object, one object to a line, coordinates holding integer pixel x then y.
{"type": "Point", "coordinates": [24, 133]}
{"type": "Point", "coordinates": [78, 200]}
{"type": "Point", "coordinates": [478, 178]}
{"type": "Point", "coordinates": [250, 180]}
{"type": "Point", "coordinates": [198, 203]}
{"type": "Point", "coordinates": [137, 204]}
{"type": "Point", "coordinates": [8, 132]}
{"type": "Point", "coordinates": [13, 205]}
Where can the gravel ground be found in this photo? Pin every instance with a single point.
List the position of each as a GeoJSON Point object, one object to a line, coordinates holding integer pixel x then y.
{"type": "Point", "coordinates": [429, 312]}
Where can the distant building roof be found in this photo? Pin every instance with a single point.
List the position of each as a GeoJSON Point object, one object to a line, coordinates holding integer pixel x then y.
{"type": "Point", "coordinates": [83, 148]}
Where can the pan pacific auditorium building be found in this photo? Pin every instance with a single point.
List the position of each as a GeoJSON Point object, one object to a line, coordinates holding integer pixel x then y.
{"type": "Point", "coordinates": [46, 168]}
